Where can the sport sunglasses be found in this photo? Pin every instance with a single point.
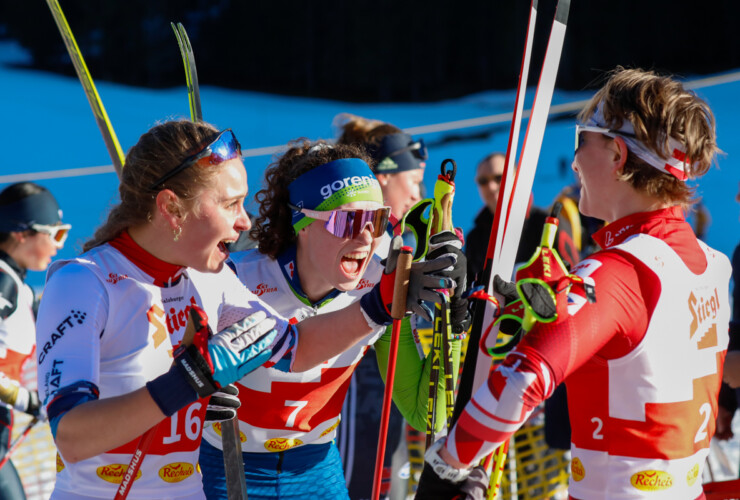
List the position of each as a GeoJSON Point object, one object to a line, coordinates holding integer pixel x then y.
{"type": "Point", "coordinates": [224, 147]}
{"type": "Point", "coordinates": [350, 223]}
{"type": "Point", "coordinates": [417, 148]}
{"type": "Point", "coordinates": [601, 130]}
{"type": "Point", "coordinates": [58, 234]}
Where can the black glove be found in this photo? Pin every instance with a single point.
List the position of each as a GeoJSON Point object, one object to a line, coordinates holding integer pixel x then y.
{"type": "Point", "coordinates": [34, 405]}
{"type": "Point", "coordinates": [223, 404]}
{"type": "Point", "coordinates": [425, 279]}
{"type": "Point", "coordinates": [439, 480]}
{"type": "Point", "coordinates": [446, 243]}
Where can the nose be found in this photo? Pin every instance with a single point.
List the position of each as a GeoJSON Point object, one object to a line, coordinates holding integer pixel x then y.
{"type": "Point", "coordinates": [242, 223]}
{"type": "Point", "coordinates": [366, 235]}
{"type": "Point", "coordinates": [573, 166]}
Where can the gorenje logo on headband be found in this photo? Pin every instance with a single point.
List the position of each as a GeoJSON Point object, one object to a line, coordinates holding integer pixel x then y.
{"type": "Point", "coordinates": [328, 189]}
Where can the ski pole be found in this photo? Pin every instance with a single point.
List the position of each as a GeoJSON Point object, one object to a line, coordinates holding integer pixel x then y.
{"type": "Point", "coordinates": [101, 117]}
{"type": "Point", "coordinates": [15, 444]}
{"type": "Point", "coordinates": [398, 311]}
{"type": "Point", "coordinates": [145, 441]}
{"type": "Point", "coordinates": [231, 444]}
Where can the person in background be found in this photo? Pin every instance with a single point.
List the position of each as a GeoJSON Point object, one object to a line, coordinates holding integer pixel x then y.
{"type": "Point", "coordinates": [643, 362]}
{"type": "Point", "coordinates": [488, 177]}
{"type": "Point", "coordinates": [31, 233]}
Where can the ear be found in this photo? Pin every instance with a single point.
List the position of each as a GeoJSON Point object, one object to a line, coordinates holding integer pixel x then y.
{"type": "Point", "coordinates": [382, 179]}
{"type": "Point", "coordinates": [620, 155]}
{"type": "Point", "coordinates": [168, 207]}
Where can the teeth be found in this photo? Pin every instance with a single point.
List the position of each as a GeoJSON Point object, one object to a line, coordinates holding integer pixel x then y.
{"type": "Point", "coordinates": [356, 255]}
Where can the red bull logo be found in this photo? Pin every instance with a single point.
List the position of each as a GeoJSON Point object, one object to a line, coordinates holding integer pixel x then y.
{"type": "Point", "coordinates": [113, 473]}
{"type": "Point", "coordinates": [176, 472]}
{"type": "Point", "coordinates": [652, 480]}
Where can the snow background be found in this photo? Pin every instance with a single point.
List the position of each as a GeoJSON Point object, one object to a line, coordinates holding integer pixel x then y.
{"type": "Point", "coordinates": [49, 127]}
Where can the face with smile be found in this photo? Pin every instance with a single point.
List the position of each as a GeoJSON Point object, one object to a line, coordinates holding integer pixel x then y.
{"type": "Point", "coordinates": [327, 262]}
{"type": "Point", "coordinates": [595, 164]}
{"type": "Point", "coordinates": [218, 219]}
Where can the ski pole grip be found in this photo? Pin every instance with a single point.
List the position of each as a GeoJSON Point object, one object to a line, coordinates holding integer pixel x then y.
{"type": "Point", "coordinates": [401, 284]}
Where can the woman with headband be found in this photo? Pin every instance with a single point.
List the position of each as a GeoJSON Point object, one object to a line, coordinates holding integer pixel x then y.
{"type": "Point", "coordinates": [398, 161]}
{"type": "Point", "coordinates": [125, 330]}
{"type": "Point", "coordinates": [643, 363]}
{"type": "Point", "coordinates": [31, 232]}
{"type": "Point", "coordinates": [321, 219]}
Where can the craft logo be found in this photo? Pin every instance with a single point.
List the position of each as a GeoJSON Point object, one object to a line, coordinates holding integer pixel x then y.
{"type": "Point", "coordinates": [113, 473]}
{"type": "Point", "coordinates": [704, 311]}
{"type": "Point", "coordinates": [114, 278]}
{"type": "Point", "coordinates": [329, 189]}
{"type": "Point", "coordinates": [53, 378]}
{"type": "Point", "coordinates": [60, 463]}
{"type": "Point", "coordinates": [176, 472]}
{"type": "Point", "coordinates": [282, 444]}
{"type": "Point", "coordinates": [692, 475]}
{"type": "Point", "coordinates": [74, 317]}
{"type": "Point", "coordinates": [327, 431]}
{"type": "Point", "coordinates": [652, 480]}
{"type": "Point", "coordinates": [577, 470]}
{"type": "Point", "coordinates": [217, 428]}
{"type": "Point", "coordinates": [364, 284]}
{"type": "Point", "coordinates": [264, 288]}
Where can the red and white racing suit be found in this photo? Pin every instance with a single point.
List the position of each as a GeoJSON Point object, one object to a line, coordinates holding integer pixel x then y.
{"type": "Point", "coordinates": [643, 365]}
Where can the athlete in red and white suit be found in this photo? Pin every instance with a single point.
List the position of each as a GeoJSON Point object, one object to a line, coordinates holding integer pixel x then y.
{"type": "Point", "coordinates": [643, 364]}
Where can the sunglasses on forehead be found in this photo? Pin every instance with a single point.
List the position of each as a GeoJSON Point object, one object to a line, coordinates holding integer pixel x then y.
{"type": "Point", "coordinates": [223, 148]}
{"type": "Point", "coordinates": [350, 223]}
{"type": "Point", "coordinates": [58, 234]}
{"type": "Point", "coordinates": [417, 148]}
{"type": "Point", "coordinates": [601, 130]}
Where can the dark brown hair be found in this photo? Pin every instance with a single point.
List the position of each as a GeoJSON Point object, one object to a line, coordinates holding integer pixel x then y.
{"type": "Point", "coordinates": [273, 228]}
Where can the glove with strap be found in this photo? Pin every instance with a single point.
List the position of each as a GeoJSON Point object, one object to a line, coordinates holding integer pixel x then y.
{"type": "Point", "coordinates": [441, 481]}
{"type": "Point", "coordinates": [223, 404]}
{"type": "Point", "coordinates": [425, 279]}
{"type": "Point", "coordinates": [17, 396]}
{"type": "Point", "coordinates": [447, 243]}
{"type": "Point", "coordinates": [205, 363]}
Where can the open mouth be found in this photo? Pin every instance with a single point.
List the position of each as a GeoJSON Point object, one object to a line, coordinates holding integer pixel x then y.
{"type": "Point", "coordinates": [352, 263]}
{"type": "Point", "coordinates": [223, 246]}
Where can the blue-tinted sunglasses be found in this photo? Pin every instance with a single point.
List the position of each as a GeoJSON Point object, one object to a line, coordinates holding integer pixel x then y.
{"type": "Point", "coordinates": [224, 147]}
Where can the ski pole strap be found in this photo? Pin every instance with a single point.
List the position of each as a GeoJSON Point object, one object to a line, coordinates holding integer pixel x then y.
{"type": "Point", "coordinates": [418, 221]}
{"type": "Point", "coordinates": [444, 190]}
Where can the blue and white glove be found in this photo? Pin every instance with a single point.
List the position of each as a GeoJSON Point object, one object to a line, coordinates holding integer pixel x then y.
{"type": "Point", "coordinates": [206, 362]}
